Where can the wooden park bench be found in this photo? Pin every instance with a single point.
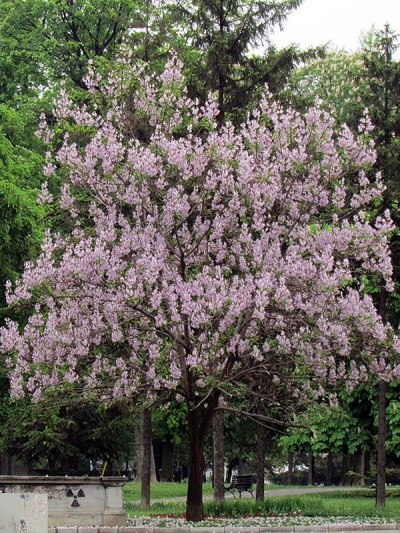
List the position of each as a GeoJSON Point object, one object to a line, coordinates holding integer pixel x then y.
{"type": "Point", "coordinates": [242, 483]}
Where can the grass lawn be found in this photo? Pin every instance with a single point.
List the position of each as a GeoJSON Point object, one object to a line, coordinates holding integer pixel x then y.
{"type": "Point", "coordinates": [351, 505]}
{"type": "Point", "coordinates": [329, 507]}
{"type": "Point", "coordinates": [174, 490]}
{"type": "Point", "coordinates": [161, 490]}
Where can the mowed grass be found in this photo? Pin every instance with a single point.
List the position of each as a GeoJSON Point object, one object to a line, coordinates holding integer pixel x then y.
{"type": "Point", "coordinates": [174, 490]}
{"type": "Point", "coordinates": [163, 491]}
{"type": "Point", "coordinates": [168, 491]}
{"type": "Point", "coordinates": [350, 505]}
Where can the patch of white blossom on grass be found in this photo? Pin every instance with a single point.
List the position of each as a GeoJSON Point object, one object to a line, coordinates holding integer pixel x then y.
{"type": "Point", "coordinates": [273, 521]}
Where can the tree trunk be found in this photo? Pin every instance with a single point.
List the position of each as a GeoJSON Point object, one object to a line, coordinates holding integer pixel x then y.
{"type": "Point", "coordinates": [194, 501]}
{"type": "Point", "coordinates": [357, 466]}
{"type": "Point", "coordinates": [311, 468]}
{"type": "Point", "coordinates": [139, 453]}
{"type": "Point", "coordinates": [167, 466]}
{"type": "Point", "coordinates": [290, 469]}
{"type": "Point", "coordinates": [345, 468]}
{"type": "Point", "coordinates": [329, 469]}
{"type": "Point", "coordinates": [362, 469]}
{"type": "Point", "coordinates": [153, 473]}
{"type": "Point", "coordinates": [146, 466]}
{"type": "Point", "coordinates": [199, 418]}
{"type": "Point", "coordinates": [229, 471]}
{"type": "Point", "coordinates": [260, 471]}
{"type": "Point", "coordinates": [139, 448]}
{"type": "Point", "coordinates": [367, 465]}
{"type": "Point", "coordinates": [218, 453]}
{"type": "Point", "coordinates": [381, 451]}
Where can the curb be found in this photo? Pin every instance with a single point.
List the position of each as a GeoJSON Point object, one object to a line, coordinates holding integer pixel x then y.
{"type": "Point", "coordinates": [375, 528]}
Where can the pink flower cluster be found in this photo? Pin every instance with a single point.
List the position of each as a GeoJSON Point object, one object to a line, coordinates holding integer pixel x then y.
{"type": "Point", "coordinates": [204, 253]}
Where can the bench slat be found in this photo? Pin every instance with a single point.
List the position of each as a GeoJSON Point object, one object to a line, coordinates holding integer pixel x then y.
{"type": "Point", "coordinates": [241, 483]}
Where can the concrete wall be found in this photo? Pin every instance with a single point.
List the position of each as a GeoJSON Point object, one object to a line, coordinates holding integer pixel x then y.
{"type": "Point", "coordinates": [74, 501]}
{"type": "Point", "coordinates": [23, 512]}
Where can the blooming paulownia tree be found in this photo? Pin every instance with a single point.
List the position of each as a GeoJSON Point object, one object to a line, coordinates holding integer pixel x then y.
{"type": "Point", "coordinates": [203, 260]}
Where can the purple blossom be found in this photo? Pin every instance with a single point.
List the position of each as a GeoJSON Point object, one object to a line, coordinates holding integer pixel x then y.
{"type": "Point", "coordinates": [207, 251]}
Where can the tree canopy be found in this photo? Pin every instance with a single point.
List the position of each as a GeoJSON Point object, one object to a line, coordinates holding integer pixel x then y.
{"type": "Point", "coordinates": [210, 260]}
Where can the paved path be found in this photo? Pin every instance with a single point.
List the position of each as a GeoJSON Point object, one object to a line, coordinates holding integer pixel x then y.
{"type": "Point", "coordinates": [267, 493]}
{"type": "Point", "coordinates": [308, 490]}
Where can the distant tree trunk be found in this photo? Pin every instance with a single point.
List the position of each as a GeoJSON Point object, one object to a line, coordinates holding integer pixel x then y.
{"type": "Point", "coordinates": [139, 453]}
{"type": "Point", "coordinates": [139, 448]}
{"type": "Point", "coordinates": [260, 470]}
{"type": "Point", "coordinates": [367, 463]}
{"type": "Point", "coordinates": [240, 467]}
{"type": "Point", "coordinates": [329, 469]}
{"type": "Point", "coordinates": [381, 451]}
{"type": "Point", "coordinates": [219, 457]}
{"type": "Point", "coordinates": [167, 465]}
{"type": "Point", "coordinates": [381, 455]}
{"type": "Point", "coordinates": [153, 473]}
{"type": "Point", "coordinates": [345, 480]}
{"type": "Point", "coordinates": [311, 462]}
{"type": "Point", "coordinates": [290, 469]}
{"type": "Point", "coordinates": [358, 463]}
{"type": "Point", "coordinates": [362, 469]}
{"type": "Point", "coordinates": [357, 466]}
{"type": "Point", "coordinates": [229, 472]}
{"type": "Point", "coordinates": [146, 466]}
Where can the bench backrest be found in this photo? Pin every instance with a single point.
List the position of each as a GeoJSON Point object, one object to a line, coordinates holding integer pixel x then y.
{"type": "Point", "coordinates": [245, 480]}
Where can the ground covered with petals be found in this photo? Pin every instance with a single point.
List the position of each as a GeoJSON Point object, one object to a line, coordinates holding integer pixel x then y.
{"type": "Point", "coordinates": [273, 521]}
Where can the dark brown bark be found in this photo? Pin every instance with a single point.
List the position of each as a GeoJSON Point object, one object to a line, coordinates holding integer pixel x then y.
{"type": "Point", "coordinates": [194, 501]}
{"type": "Point", "coordinates": [146, 466]}
{"type": "Point", "coordinates": [260, 471]}
{"type": "Point", "coordinates": [199, 421]}
{"type": "Point", "coordinates": [218, 452]}
{"type": "Point", "coordinates": [381, 450]}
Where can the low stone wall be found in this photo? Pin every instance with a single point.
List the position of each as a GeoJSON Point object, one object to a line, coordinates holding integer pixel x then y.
{"type": "Point", "coordinates": [74, 501]}
{"type": "Point", "coordinates": [327, 528]}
